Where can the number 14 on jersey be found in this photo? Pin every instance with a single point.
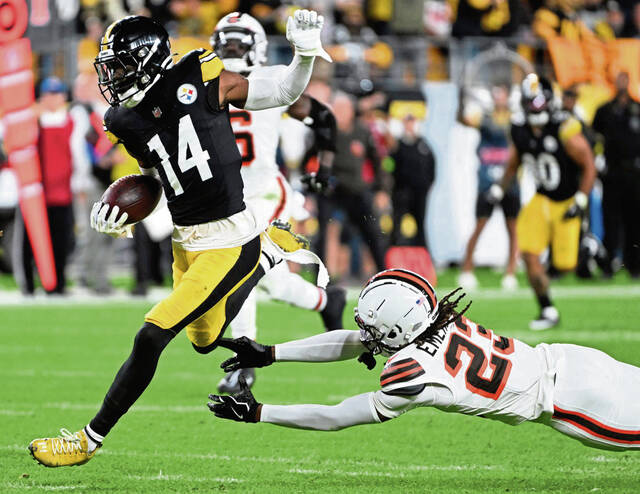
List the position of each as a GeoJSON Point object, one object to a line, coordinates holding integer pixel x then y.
{"type": "Point", "coordinates": [188, 143]}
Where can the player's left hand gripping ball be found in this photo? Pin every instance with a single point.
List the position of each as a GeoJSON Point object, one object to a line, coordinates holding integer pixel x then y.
{"type": "Point", "coordinates": [241, 407]}
{"type": "Point", "coordinates": [303, 32]}
{"type": "Point", "coordinates": [111, 224]}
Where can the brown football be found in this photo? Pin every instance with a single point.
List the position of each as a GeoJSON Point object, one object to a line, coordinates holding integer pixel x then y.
{"type": "Point", "coordinates": [137, 195]}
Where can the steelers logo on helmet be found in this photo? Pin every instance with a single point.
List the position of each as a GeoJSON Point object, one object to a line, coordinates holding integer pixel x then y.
{"type": "Point", "coordinates": [187, 94]}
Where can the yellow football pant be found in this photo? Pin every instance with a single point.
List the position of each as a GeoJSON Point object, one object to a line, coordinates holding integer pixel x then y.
{"type": "Point", "coordinates": [207, 290]}
{"type": "Point", "coordinates": [540, 225]}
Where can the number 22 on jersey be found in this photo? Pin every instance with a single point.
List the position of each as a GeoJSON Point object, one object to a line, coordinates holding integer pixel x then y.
{"type": "Point", "coordinates": [477, 346]}
{"type": "Point", "coordinates": [188, 143]}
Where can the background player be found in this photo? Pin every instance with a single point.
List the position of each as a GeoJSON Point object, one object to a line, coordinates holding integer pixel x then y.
{"type": "Point", "coordinates": [440, 358]}
{"type": "Point", "coordinates": [168, 115]}
{"type": "Point", "coordinates": [493, 153]}
{"type": "Point", "coordinates": [551, 143]}
{"type": "Point", "coordinates": [240, 42]}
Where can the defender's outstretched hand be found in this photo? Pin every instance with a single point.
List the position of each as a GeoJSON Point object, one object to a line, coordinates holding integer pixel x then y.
{"type": "Point", "coordinates": [248, 354]}
{"type": "Point", "coordinates": [303, 32]}
{"type": "Point", "coordinates": [111, 225]}
{"type": "Point", "coordinates": [241, 407]}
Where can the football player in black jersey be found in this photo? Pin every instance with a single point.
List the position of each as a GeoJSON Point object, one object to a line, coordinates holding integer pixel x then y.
{"type": "Point", "coordinates": [174, 120]}
{"type": "Point", "coordinates": [552, 144]}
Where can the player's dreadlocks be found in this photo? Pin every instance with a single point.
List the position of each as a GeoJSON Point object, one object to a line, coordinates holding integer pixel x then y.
{"type": "Point", "coordinates": [447, 313]}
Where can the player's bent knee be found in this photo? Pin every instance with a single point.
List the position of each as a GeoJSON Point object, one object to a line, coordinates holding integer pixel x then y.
{"type": "Point", "coordinates": [152, 337]}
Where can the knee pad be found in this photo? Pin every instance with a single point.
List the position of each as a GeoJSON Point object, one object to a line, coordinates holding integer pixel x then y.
{"type": "Point", "coordinates": [152, 338]}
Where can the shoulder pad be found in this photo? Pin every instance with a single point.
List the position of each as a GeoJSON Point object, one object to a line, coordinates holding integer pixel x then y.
{"type": "Point", "coordinates": [107, 125]}
{"type": "Point", "coordinates": [401, 373]}
{"type": "Point", "coordinates": [569, 128]}
{"type": "Point", "coordinates": [210, 65]}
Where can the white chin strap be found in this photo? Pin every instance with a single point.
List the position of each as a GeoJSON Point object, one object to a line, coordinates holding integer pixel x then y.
{"type": "Point", "coordinates": [133, 96]}
{"type": "Point", "coordinates": [136, 96]}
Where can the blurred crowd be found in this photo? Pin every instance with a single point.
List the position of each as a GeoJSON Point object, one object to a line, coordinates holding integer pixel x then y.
{"type": "Point", "coordinates": [370, 18]}
{"type": "Point", "coordinates": [384, 167]}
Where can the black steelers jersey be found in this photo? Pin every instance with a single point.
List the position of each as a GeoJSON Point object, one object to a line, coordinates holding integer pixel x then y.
{"type": "Point", "coordinates": [557, 175]}
{"type": "Point", "coordinates": [179, 129]}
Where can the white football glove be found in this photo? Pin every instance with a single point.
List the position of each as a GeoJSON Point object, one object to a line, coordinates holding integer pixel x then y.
{"type": "Point", "coordinates": [303, 32]}
{"type": "Point", "coordinates": [111, 225]}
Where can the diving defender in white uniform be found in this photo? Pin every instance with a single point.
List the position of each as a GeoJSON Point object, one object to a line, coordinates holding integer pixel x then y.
{"type": "Point", "coordinates": [440, 358]}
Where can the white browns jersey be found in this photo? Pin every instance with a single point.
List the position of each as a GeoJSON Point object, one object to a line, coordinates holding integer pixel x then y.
{"type": "Point", "coordinates": [257, 135]}
{"type": "Point", "coordinates": [466, 368]}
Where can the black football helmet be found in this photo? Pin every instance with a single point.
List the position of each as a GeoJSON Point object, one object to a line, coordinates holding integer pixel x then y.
{"type": "Point", "coordinates": [537, 99]}
{"type": "Point", "coordinates": [134, 52]}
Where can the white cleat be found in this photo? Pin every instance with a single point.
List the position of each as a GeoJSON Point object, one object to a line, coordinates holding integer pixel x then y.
{"type": "Point", "coordinates": [509, 282]}
{"type": "Point", "coordinates": [549, 317]}
{"type": "Point", "coordinates": [467, 280]}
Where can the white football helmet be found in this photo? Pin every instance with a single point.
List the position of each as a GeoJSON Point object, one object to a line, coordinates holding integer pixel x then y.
{"type": "Point", "coordinates": [240, 42]}
{"type": "Point", "coordinates": [394, 308]}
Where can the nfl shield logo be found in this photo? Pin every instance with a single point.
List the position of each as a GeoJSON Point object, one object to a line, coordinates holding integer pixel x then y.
{"type": "Point", "coordinates": [187, 94]}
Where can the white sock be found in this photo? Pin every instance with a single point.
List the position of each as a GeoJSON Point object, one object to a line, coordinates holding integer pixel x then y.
{"type": "Point", "coordinates": [290, 287]}
{"type": "Point", "coordinates": [93, 438]}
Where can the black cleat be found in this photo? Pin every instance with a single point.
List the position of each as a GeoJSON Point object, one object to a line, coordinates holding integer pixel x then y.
{"type": "Point", "coordinates": [332, 313]}
{"type": "Point", "coordinates": [229, 383]}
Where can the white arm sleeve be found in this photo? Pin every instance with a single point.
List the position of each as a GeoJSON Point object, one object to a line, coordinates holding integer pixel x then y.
{"type": "Point", "coordinates": [352, 411]}
{"type": "Point", "coordinates": [342, 344]}
{"type": "Point", "coordinates": [282, 90]}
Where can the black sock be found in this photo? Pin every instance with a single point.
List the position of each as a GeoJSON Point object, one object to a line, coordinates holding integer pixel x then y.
{"type": "Point", "coordinates": [544, 301]}
{"type": "Point", "coordinates": [133, 377]}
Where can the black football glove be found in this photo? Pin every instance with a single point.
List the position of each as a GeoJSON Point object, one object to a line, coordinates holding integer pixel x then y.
{"type": "Point", "coordinates": [241, 407]}
{"type": "Point", "coordinates": [574, 211]}
{"type": "Point", "coordinates": [319, 182]}
{"type": "Point", "coordinates": [368, 359]}
{"type": "Point", "coordinates": [579, 206]}
{"type": "Point", "coordinates": [248, 354]}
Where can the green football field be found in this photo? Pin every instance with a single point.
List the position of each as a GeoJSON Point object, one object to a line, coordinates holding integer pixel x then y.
{"type": "Point", "coordinates": [56, 362]}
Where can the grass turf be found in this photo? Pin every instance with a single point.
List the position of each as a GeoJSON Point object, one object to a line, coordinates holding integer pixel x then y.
{"type": "Point", "coordinates": [57, 362]}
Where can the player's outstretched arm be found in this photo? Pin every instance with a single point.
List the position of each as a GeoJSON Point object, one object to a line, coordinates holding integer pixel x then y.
{"type": "Point", "coordinates": [342, 344]}
{"type": "Point", "coordinates": [243, 407]}
{"type": "Point", "coordinates": [303, 32]}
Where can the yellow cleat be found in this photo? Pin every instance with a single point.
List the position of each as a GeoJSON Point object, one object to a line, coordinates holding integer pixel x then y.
{"type": "Point", "coordinates": [63, 451]}
{"type": "Point", "coordinates": [281, 235]}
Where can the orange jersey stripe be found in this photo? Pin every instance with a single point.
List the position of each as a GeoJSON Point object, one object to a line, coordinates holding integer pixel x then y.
{"type": "Point", "coordinates": [396, 377]}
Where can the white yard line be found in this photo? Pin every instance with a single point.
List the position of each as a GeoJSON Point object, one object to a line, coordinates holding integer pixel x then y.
{"type": "Point", "coordinates": [183, 478]}
{"type": "Point", "coordinates": [121, 297]}
{"type": "Point", "coordinates": [20, 487]}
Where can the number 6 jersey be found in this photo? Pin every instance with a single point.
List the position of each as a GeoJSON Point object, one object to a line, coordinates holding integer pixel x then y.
{"type": "Point", "coordinates": [557, 175]}
{"type": "Point", "coordinates": [179, 129]}
{"type": "Point", "coordinates": [466, 368]}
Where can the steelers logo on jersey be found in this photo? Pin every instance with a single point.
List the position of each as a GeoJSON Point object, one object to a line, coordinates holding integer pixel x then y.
{"type": "Point", "coordinates": [187, 94]}
{"type": "Point", "coordinates": [550, 144]}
